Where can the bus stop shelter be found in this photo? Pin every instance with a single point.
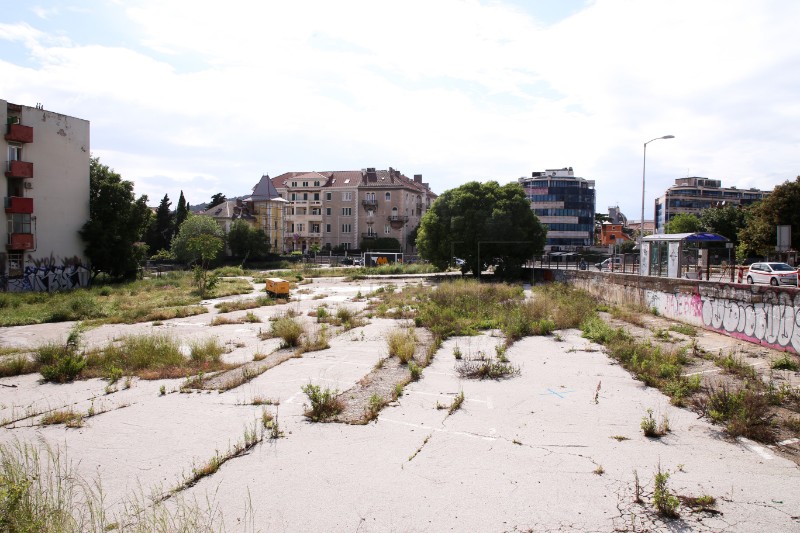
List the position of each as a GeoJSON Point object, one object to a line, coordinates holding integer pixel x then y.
{"type": "Point", "coordinates": [677, 255]}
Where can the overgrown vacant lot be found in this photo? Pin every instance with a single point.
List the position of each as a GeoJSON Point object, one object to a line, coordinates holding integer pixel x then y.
{"type": "Point", "coordinates": [169, 296]}
{"type": "Point", "coordinates": [503, 403]}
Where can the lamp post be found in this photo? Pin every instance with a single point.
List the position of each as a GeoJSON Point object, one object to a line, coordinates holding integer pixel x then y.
{"type": "Point", "coordinates": [644, 165]}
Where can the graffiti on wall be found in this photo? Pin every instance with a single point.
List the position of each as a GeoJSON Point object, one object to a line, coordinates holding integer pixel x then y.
{"type": "Point", "coordinates": [46, 276]}
{"type": "Point", "coordinates": [772, 318]}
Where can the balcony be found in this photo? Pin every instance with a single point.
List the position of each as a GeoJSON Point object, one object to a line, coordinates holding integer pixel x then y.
{"type": "Point", "coordinates": [397, 221]}
{"type": "Point", "coordinates": [369, 235]}
{"type": "Point", "coordinates": [20, 241]}
{"type": "Point", "coordinates": [370, 205]}
{"type": "Point", "coordinates": [19, 169]}
{"type": "Point", "coordinates": [19, 134]}
{"type": "Point", "coordinates": [16, 204]}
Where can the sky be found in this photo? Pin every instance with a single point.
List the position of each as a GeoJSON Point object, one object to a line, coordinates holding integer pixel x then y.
{"type": "Point", "coordinates": [206, 97]}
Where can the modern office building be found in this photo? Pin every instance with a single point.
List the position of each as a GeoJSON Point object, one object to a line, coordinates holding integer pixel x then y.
{"type": "Point", "coordinates": [566, 204]}
{"type": "Point", "coordinates": [47, 199]}
{"type": "Point", "coordinates": [694, 194]}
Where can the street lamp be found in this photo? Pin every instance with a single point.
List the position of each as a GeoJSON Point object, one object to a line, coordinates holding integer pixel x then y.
{"type": "Point", "coordinates": [644, 164]}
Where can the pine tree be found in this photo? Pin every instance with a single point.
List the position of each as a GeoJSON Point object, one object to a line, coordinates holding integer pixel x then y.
{"type": "Point", "coordinates": [181, 212]}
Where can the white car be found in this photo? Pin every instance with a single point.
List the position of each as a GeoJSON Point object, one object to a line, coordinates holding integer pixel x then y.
{"type": "Point", "coordinates": [773, 273]}
{"type": "Point", "coordinates": [612, 263]}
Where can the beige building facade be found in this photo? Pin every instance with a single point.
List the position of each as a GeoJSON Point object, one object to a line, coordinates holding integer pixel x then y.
{"type": "Point", "coordinates": [46, 201]}
{"type": "Point", "coordinates": [345, 209]}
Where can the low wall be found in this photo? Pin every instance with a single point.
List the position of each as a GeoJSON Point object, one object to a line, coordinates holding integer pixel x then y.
{"type": "Point", "coordinates": [762, 314]}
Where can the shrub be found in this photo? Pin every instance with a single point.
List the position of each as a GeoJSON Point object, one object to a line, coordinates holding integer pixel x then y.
{"type": "Point", "coordinates": [316, 341]}
{"type": "Point", "coordinates": [785, 363]}
{"type": "Point", "coordinates": [206, 351]}
{"type": "Point", "coordinates": [324, 403]}
{"type": "Point", "coordinates": [665, 502]}
{"type": "Point", "coordinates": [402, 344]}
{"type": "Point", "coordinates": [415, 369]}
{"type": "Point", "coordinates": [289, 330]}
{"type": "Point", "coordinates": [744, 411]}
{"type": "Point", "coordinates": [651, 429]}
{"type": "Point", "coordinates": [60, 363]}
{"type": "Point", "coordinates": [485, 368]}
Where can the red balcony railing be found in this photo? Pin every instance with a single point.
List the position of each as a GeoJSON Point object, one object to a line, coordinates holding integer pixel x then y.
{"type": "Point", "coordinates": [20, 241]}
{"type": "Point", "coordinates": [19, 134]}
{"type": "Point", "coordinates": [19, 169]}
{"type": "Point", "coordinates": [16, 204]}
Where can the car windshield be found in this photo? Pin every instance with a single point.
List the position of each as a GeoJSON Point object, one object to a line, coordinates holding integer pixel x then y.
{"type": "Point", "coordinates": [781, 267]}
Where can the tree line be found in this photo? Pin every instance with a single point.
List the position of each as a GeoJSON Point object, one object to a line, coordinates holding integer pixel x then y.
{"type": "Point", "coordinates": [122, 230]}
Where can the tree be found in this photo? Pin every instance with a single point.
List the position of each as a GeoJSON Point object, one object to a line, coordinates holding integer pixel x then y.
{"type": "Point", "coordinates": [759, 236]}
{"type": "Point", "coordinates": [216, 199]}
{"type": "Point", "coordinates": [206, 248]}
{"type": "Point", "coordinates": [244, 240]}
{"type": "Point", "coordinates": [117, 220]}
{"type": "Point", "coordinates": [181, 212]}
{"type": "Point", "coordinates": [683, 223]}
{"type": "Point", "coordinates": [478, 215]}
{"type": "Point", "coordinates": [162, 227]}
{"type": "Point", "coordinates": [193, 226]}
{"type": "Point", "coordinates": [726, 221]}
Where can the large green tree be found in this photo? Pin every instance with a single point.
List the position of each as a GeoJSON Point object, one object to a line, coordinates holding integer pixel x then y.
{"type": "Point", "coordinates": [780, 207]}
{"type": "Point", "coordinates": [246, 241]}
{"type": "Point", "coordinates": [194, 226]}
{"type": "Point", "coordinates": [182, 211]}
{"type": "Point", "coordinates": [162, 226]}
{"type": "Point", "coordinates": [727, 221]}
{"type": "Point", "coordinates": [684, 223]}
{"type": "Point", "coordinates": [117, 220]}
{"type": "Point", "coordinates": [216, 199]}
{"type": "Point", "coordinates": [481, 222]}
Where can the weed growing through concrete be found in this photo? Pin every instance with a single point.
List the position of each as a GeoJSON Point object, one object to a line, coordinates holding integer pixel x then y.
{"type": "Point", "coordinates": [162, 390]}
{"type": "Point", "coordinates": [744, 411]}
{"type": "Point", "coordinates": [263, 400]}
{"type": "Point", "coordinates": [402, 344]}
{"type": "Point", "coordinates": [457, 402]}
{"type": "Point", "coordinates": [259, 356]}
{"type": "Point", "coordinates": [376, 403]}
{"type": "Point", "coordinates": [208, 350]}
{"type": "Point", "coordinates": [664, 501]}
{"type": "Point", "coordinates": [457, 352]}
{"type": "Point", "coordinates": [500, 352]}
{"type": "Point", "coordinates": [637, 488]}
{"type": "Point", "coordinates": [482, 367]}
{"type": "Point", "coordinates": [318, 340]}
{"type": "Point", "coordinates": [415, 369]}
{"type": "Point", "coordinates": [653, 429]}
{"type": "Point", "coordinates": [599, 471]}
{"type": "Point", "coordinates": [786, 362]}
{"type": "Point", "coordinates": [619, 438]}
{"type": "Point", "coordinates": [703, 503]}
{"type": "Point", "coordinates": [324, 403]}
{"type": "Point", "coordinates": [734, 364]}
{"type": "Point", "coordinates": [68, 417]}
{"type": "Point", "coordinates": [411, 457]}
{"type": "Point", "coordinates": [289, 330]}
{"type": "Point", "coordinates": [684, 329]}
{"type": "Point", "coordinates": [398, 389]}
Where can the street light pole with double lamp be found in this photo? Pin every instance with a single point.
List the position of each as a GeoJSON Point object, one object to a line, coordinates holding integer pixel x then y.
{"type": "Point", "coordinates": [644, 166]}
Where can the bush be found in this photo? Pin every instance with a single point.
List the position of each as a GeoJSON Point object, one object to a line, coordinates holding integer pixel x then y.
{"type": "Point", "coordinates": [402, 344]}
{"type": "Point", "coordinates": [324, 403]}
{"type": "Point", "coordinates": [65, 368]}
{"type": "Point", "coordinates": [289, 330]}
{"type": "Point", "coordinates": [206, 351]}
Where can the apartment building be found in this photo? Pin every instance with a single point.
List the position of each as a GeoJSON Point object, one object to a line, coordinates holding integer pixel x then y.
{"type": "Point", "coordinates": [343, 209]}
{"type": "Point", "coordinates": [692, 195]}
{"type": "Point", "coordinates": [565, 204]}
{"type": "Point", "coordinates": [47, 199]}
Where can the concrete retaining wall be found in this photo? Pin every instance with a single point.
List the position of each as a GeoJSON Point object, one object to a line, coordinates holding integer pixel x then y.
{"type": "Point", "coordinates": [762, 314]}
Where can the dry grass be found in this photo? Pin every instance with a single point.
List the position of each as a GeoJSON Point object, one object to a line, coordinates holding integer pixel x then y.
{"type": "Point", "coordinates": [68, 417]}
{"type": "Point", "coordinates": [402, 344]}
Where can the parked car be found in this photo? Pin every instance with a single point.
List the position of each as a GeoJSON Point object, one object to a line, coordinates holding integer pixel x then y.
{"type": "Point", "coordinates": [612, 263]}
{"type": "Point", "coordinates": [459, 262]}
{"type": "Point", "coordinates": [773, 273]}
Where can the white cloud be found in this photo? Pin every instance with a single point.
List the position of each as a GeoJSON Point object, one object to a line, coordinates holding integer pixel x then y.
{"type": "Point", "coordinates": [214, 95]}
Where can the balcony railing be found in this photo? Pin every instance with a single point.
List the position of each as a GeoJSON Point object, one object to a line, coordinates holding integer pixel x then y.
{"type": "Point", "coordinates": [20, 241]}
{"type": "Point", "coordinates": [369, 204]}
{"type": "Point", "coordinates": [19, 169]}
{"type": "Point", "coordinates": [16, 204]}
{"type": "Point", "coordinates": [398, 218]}
{"type": "Point", "coordinates": [19, 134]}
{"type": "Point", "coordinates": [369, 235]}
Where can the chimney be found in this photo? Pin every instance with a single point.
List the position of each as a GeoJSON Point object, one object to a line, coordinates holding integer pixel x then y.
{"type": "Point", "coordinates": [372, 175]}
{"type": "Point", "coordinates": [239, 202]}
{"type": "Point", "coordinates": [417, 178]}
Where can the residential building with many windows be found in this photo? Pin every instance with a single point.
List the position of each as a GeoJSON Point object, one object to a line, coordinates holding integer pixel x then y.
{"type": "Point", "coordinates": [565, 204]}
{"type": "Point", "coordinates": [47, 198]}
{"type": "Point", "coordinates": [692, 195]}
{"type": "Point", "coordinates": [343, 209]}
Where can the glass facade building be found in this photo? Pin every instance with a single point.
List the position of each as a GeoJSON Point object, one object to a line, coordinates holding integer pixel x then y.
{"type": "Point", "coordinates": [565, 204]}
{"type": "Point", "coordinates": [692, 195]}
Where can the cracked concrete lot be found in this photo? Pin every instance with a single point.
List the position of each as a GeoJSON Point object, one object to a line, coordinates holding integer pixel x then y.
{"type": "Point", "coordinates": [554, 448]}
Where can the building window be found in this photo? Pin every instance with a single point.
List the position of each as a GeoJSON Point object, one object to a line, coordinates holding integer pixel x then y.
{"type": "Point", "coordinates": [327, 228]}
{"type": "Point", "coordinates": [14, 152]}
{"type": "Point", "coordinates": [388, 196]}
{"type": "Point", "coordinates": [316, 197]}
{"type": "Point", "coordinates": [316, 183]}
{"type": "Point", "coordinates": [315, 211]}
{"type": "Point", "coordinates": [293, 197]}
{"type": "Point", "coordinates": [19, 223]}
{"type": "Point", "coordinates": [370, 197]}
{"type": "Point", "coordinates": [329, 196]}
{"type": "Point", "coordinates": [347, 196]}
{"type": "Point", "coordinates": [346, 245]}
{"type": "Point", "coordinates": [347, 228]}
{"type": "Point", "coordinates": [14, 264]}
{"type": "Point", "coordinates": [294, 184]}
{"type": "Point", "coordinates": [305, 184]}
{"type": "Point", "coordinates": [387, 229]}
{"type": "Point", "coordinates": [300, 228]}
{"type": "Point", "coordinates": [347, 211]}
{"type": "Point", "coordinates": [328, 211]}
{"type": "Point", "coordinates": [314, 228]}
{"type": "Point", "coordinates": [291, 228]}
{"type": "Point", "coordinates": [305, 196]}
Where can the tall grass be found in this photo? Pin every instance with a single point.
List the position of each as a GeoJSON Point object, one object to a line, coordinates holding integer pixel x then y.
{"type": "Point", "coordinates": [402, 344]}
{"type": "Point", "coordinates": [289, 330]}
